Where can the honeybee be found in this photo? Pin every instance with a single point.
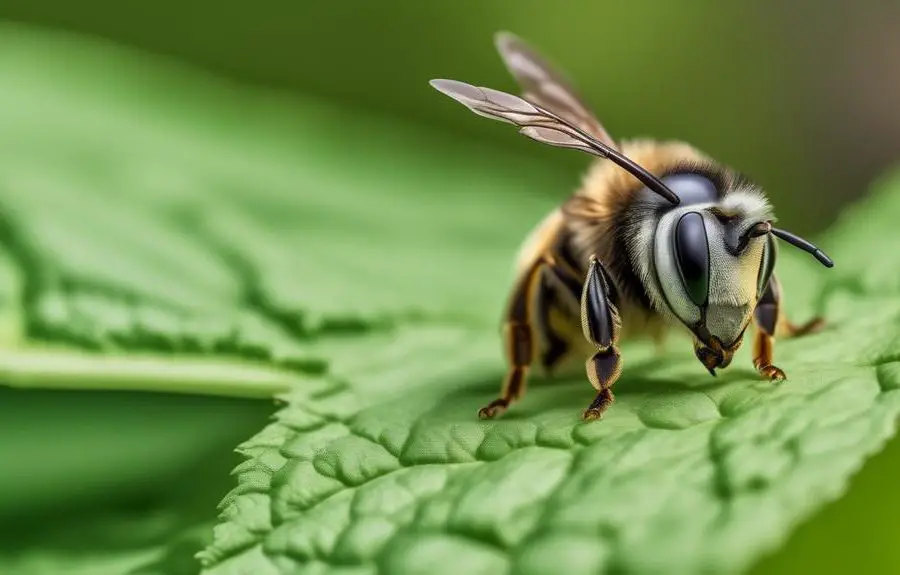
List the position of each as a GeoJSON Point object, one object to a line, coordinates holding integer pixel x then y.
{"type": "Point", "coordinates": [659, 235]}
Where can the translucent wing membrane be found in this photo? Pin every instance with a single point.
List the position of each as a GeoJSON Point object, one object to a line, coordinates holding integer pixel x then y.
{"type": "Point", "coordinates": [535, 122]}
{"type": "Point", "coordinates": [544, 126]}
{"type": "Point", "coordinates": [554, 137]}
{"type": "Point", "coordinates": [543, 85]}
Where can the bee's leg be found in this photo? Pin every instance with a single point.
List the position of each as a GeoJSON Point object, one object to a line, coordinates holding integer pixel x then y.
{"type": "Point", "coordinates": [561, 288]}
{"type": "Point", "coordinates": [766, 316]}
{"type": "Point", "coordinates": [554, 346]}
{"type": "Point", "coordinates": [518, 336]}
{"type": "Point", "coordinates": [812, 326]}
{"type": "Point", "coordinates": [600, 323]}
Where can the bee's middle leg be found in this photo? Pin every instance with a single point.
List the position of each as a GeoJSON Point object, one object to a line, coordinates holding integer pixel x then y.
{"type": "Point", "coordinates": [560, 289]}
{"type": "Point", "coordinates": [554, 346]}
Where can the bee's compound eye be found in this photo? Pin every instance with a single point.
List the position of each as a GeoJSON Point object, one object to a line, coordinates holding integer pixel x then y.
{"type": "Point", "coordinates": [692, 256]}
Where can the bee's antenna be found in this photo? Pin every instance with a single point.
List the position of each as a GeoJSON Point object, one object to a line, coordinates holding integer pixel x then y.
{"type": "Point", "coordinates": [633, 168]}
{"type": "Point", "coordinates": [804, 245]}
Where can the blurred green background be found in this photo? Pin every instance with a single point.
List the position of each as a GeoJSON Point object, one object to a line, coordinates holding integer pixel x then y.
{"type": "Point", "coordinates": [800, 95]}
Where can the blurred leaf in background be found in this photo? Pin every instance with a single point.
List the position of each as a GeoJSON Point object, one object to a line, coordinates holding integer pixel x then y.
{"type": "Point", "coordinates": [799, 95]}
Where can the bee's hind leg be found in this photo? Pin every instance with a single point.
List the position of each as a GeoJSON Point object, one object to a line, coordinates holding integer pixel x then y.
{"type": "Point", "coordinates": [812, 326]}
{"type": "Point", "coordinates": [600, 323]}
{"type": "Point", "coordinates": [768, 315]}
{"type": "Point", "coordinates": [518, 336]}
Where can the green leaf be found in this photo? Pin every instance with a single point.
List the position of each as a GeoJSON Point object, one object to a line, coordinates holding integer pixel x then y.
{"type": "Point", "coordinates": [683, 474]}
{"type": "Point", "coordinates": [157, 220]}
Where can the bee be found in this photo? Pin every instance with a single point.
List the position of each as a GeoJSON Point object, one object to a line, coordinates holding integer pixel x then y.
{"type": "Point", "coordinates": [658, 235]}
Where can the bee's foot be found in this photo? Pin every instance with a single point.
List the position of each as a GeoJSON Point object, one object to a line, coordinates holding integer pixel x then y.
{"type": "Point", "coordinates": [493, 409]}
{"type": "Point", "coordinates": [599, 406]}
{"type": "Point", "coordinates": [771, 372]}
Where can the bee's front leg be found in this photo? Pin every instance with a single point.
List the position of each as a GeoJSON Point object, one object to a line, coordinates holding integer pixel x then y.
{"type": "Point", "coordinates": [768, 315]}
{"type": "Point", "coordinates": [601, 324]}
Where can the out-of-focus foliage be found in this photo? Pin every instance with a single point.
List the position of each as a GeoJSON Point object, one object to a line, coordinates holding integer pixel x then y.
{"type": "Point", "coordinates": [165, 232]}
{"type": "Point", "coordinates": [798, 94]}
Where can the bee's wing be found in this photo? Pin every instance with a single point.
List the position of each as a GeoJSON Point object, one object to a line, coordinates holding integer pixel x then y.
{"type": "Point", "coordinates": [544, 126]}
{"type": "Point", "coordinates": [533, 121]}
{"type": "Point", "coordinates": [544, 85]}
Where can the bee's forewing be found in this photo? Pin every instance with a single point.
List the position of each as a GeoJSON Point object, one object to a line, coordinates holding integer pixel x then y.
{"type": "Point", "coordinates": [533, 121]}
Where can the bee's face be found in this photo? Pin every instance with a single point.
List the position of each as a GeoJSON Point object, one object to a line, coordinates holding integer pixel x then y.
{"type": "Point", "coordinates": [712, 259]}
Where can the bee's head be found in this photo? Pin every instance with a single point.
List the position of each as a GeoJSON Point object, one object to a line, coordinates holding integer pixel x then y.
{"type": "Point", "coordinates": [713, 261]}
{"type": "Point", "coordinates": [707, 259]}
